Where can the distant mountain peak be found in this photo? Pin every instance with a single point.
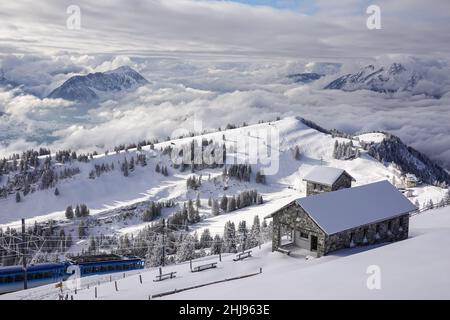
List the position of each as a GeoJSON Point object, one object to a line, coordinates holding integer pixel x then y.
{"type": "Point", "coordinates": [86, 88]}
{"type": "Point", "coordinates": [391, 79]}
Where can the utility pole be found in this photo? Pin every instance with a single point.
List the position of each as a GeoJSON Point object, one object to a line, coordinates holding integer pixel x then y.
{"type": "Point", "coordinates": [164, 244]}
{"type": "Point", "coordinates": [24, 258]}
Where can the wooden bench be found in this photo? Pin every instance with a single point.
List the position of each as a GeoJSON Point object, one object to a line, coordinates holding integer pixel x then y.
{"type": "Point", "coordinates": [204, 267]}
{"type": "Point", "coordinates": [243, 255]}
{"type": "Point", "coordinates": [285, 251]}
{"type": "Point", "coordinates": [161, 277]}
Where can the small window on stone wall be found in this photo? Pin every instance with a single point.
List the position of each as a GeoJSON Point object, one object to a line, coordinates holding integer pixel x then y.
{"type": "Point", "coordinates": [365, 232]}
{"type": "Point", "coordinates": [304, 235]}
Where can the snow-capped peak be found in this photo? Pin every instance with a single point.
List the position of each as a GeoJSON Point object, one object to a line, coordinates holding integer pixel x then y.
{"type": "Point", "coordinates": [86, 88]}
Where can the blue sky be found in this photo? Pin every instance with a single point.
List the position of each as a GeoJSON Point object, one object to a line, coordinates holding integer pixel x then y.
{"type": "Point", "coordinates": [306, 6]}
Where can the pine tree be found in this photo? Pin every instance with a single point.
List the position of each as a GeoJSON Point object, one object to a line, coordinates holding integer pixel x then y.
{"type": "Point", "coordinates": [92, 245]}
{"type": "Point", "coordinates": [209, 202]}
{"type": "Point", "coordinates": [125, 168]}
{"type": "Point", "coordinates": [56, 192]}
{"type": "Point", "coordinates": [297, 155]}
{"type": "Point", "coordinates": [205, 239]}
{"type": "Point", "coordinates": [191, 212]}
{"type": "Point", "coordinates": [155, 253]}
{"type": "Point", "coordinates": [131, 164]}
{"type": "Point", "coordinates": [215, 208]}
{"type": "Point", "coordinates": [158, 169]}
{"type": "Point", "coordinates": [242, 235]}
{"type": "Point", "coordinates": [229, 237]}
{"type": "Point", "coordinates": [197, 201]}
{"type": "Point", "coordinates": [417, 204]}
{"type": "Point", "coordinates": [224, 203]}
{"type": "Point", "coordinates": [69, 213]}
{"type": "Point", "coordinates": [81, 230]}
{"type": "Point", "coordinates": [186, 249]}
{"type": "Point", "coordinates": [18, 198]}
{"type": "Point", "coordinates": [77, 211]}
{"type": "Point", "coordinates": [216, 246]}
{"type": "Point", "coordinates": [255, 233]}
{"type": "Point", "coordinates": [231, 204]}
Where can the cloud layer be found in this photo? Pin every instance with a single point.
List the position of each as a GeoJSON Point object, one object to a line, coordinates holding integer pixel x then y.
{"type": "Point", "coordinates": [217, 92]}
{"type": "Point", "coordinates": [312, 29]}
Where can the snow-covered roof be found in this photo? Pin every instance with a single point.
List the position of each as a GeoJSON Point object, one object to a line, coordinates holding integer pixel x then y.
{"type": "Point", "coordinates": [324, 175]}
{"type": "Point", "coordinates": [411, 177]}
{"type": "Point", "coordinates": [349, 208]}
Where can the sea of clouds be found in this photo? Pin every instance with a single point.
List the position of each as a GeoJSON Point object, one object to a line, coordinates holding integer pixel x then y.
{"type": "Point", "coordinates": [216, 91]}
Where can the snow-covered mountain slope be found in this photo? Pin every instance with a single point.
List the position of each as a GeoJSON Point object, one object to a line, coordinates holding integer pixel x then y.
{"type": "Point", "coordinates": [416, 268]}
{"type": "Point", "coordinates": [87, 88]}
{"type": "Point", "coordinates": [305, 77]}
{"type": "Point", "coordinates": [387, 79]}
{"type": "Point", "coordinates": [111, 190]}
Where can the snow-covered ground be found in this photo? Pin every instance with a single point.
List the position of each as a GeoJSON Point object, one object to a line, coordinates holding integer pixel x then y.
{"type": "Point", "coordinates": [111, 191]}
{"type": "Point", "coordinates": [416, 268]}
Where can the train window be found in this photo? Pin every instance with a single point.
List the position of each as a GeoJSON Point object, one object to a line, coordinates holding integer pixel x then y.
{"type": "Point", "coordinates": [18, 278]}
{"type": "Point", "coordinates": [2, 279]}
{"type": "Point", "coordinates": [9, 279]}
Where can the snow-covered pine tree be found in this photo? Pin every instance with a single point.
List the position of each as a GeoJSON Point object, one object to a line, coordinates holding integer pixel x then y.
{"type": "Point", "coordinates": [297, 155]}
{"type": "Point", "coordinates": [69, 212]}
{"type": "Point", "coordinates": [255, 233]}
{"type": "Point", "coordinates": [186, 249]}
{"type": "Point", "coordinates": [215, 208]}
{"type": "Point", "coordinates": [198, 202]}
{"type": "Point", "coordinates": [224, 203]}
{"type": "Point", "coordinates": [229, 237]}
{"type": "Point", "coordinates": [205, 239]}
{"type": "Point", "coordinates": [216, 246]}
{"type": "Point", "coordinates": [243, 236]}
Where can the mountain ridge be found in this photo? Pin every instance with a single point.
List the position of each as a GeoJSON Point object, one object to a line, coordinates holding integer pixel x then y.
{"type": "Point", "coordinates": [86, 88]}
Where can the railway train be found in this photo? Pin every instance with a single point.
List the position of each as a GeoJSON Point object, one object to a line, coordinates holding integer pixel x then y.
{"type": "Point", "coordinates": [12, 278]}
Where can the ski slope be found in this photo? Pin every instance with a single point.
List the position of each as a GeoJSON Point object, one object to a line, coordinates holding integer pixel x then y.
{"type": "Point", "coordinates": [416, 268]}
{"type": "Point", "coordinates": [113, 191]}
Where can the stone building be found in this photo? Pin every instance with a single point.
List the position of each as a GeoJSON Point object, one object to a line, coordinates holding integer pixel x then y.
{"type": "Point", "coordinates": [411, 181]}
{"type": "Point", "coordinates": [323, 223]}
{"type": "Point", "coordinates": [327, 179]}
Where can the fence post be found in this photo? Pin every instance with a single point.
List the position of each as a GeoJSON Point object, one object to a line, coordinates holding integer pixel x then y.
{"type": "Point", "coordinates": [95, 292]}
{"type": "Point", "coordinates": [140, 278]}
{"type": "Point", "coordinates": [190, 264]}
{"type": "Point", "coordinates": [260, 270]}
{"type": "Point", "coordinates": [115, 284]}
{"type": "Point", "coordinates": [220, 256]}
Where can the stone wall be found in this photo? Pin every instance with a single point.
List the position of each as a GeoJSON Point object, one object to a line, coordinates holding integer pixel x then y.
{"type": "Point", "coordinates": [295, 218]}
{"type": "Point", "coordinates": [369, 234]}
{"type": "Point", "coordinates": [344, 181]}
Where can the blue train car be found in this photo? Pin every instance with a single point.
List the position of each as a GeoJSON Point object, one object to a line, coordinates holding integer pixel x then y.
{"type": "Point", "coordinates": [91, 265]}
{"type": "Point", "coordinates": [11, 278]}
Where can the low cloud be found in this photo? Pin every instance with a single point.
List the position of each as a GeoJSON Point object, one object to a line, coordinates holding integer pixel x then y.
{"type": "Point", "coordinates": [217, 92]}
